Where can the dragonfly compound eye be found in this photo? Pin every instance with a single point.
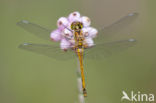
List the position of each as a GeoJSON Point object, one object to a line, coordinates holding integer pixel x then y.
{"type": "Point", "coordinates": [76, 26]}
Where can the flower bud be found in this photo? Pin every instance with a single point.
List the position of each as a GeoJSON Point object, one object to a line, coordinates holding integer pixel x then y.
{"type": "Point", "coordinates": [56, 35]}
{"type": "Point", "coordinates": [62, 23]}
{"type": "Point", "coordinates": [75, 16]}
{"type": "Point", "coordinates": [86, 21]}
{"type": "Point", "coordinates": [89, 42]}
{"type": "Point", "coordinates": [64, 44]}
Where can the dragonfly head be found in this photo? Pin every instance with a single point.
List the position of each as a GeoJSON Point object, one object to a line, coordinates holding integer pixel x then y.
{"type": "Point", "coordinates": [76, 26]}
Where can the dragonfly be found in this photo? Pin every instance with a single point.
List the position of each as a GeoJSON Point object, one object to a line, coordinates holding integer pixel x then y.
{"type": "Point", "coordinates": [104, 44]}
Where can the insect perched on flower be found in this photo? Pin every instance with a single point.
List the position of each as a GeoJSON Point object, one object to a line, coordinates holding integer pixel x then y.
{"type": "Point", "coordinates": [76, 37]}
{"type": "Point", "coordinates": [74, 23]}
{"type": "Point", "coordinates": [75, 33]}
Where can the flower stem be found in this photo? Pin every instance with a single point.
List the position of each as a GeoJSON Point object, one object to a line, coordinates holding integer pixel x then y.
{"type": "Point", "coordinates": [79, 83]}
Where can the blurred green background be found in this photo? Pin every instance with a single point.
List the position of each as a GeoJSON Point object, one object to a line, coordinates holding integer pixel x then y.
{"type": "Point", "coordinates": [26, 77]}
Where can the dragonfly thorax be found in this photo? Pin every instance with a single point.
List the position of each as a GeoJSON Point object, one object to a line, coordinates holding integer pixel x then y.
{"type": "Point", "coordinates": [79, 40]}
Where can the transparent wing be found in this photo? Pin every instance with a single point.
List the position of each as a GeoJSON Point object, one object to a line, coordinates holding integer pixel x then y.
{"type": "Point", "coordinates": [105, 50]}
{"type": "Point", "coordinates": [35, 29]}
{"type": "Point", "coordinates": [48, 50]}
{"type": "Point", "coordinates": [118, 30]}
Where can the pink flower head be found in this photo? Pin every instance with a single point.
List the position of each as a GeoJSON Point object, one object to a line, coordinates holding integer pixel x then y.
{"type": "Point", "coordinates": [65, 35]}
